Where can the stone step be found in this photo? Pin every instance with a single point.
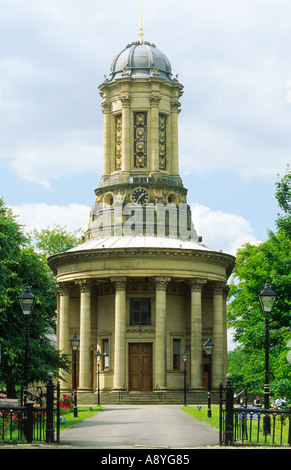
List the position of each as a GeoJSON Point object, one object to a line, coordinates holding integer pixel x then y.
{"type": "Point", "coordinates": [150, 398]}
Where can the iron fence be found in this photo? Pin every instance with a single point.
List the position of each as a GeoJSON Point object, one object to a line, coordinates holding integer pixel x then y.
{"type": "Point", "coordinates": [36, 420]}
{"type": "Point", "coordinates": [242, 424]}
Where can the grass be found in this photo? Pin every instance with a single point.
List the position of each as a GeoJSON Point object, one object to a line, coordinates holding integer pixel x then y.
{"type": "Point", "coordinates": [83, 413]}
{"type": "Point", "coordinates": [254, 435]}
{"type": "Point", "coordinates": [201, 414]}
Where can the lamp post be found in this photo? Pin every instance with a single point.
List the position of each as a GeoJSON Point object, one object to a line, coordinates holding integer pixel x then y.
{"type": "Point", "coordinates": [267, 298]}
{"type": "Point", "coordinates": [98, 356]}
{"type": "Point", "coordinates": [185, 357]}
{"type": "Point", "coordinates": [75, 346]}
{"type": "Point", "coordinates": [208, 347]}
{"type": "Point", "coordinates": [27, 301]}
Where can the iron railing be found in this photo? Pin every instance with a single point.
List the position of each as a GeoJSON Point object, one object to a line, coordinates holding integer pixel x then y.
{"type": "Point", "coordinates": [249, 425]}
{"type": "Point", "coordinates": [32, 422]}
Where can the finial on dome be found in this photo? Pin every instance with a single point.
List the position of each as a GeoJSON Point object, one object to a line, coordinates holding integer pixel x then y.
{"type": "Point", "coordinates": [140, 28]}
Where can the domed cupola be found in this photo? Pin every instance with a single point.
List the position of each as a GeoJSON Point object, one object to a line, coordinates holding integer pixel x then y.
{"type": "Point", "coordinates": [141, 60]}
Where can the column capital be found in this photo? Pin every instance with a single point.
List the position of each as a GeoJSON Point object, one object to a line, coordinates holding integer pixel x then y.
{"type": "Point", "coordinates": [63, 288]}
{"type": "Point", "coordinates": [175, 106]}
{"type": "Point", "coordinates": [219, 287]}
{"type": "Point", "coordinates": [161, 282]}
{"type": "Point", "coordinates": [119, 282]}
{"type": "Point", "coordinates": [84, 284]}
{"type": "Point", "coordinates": [155, 101]}
{"type": "Point", "coordinates": [125, 101]}
{"type": "Point", "coordinates": [106, 107]}
{"type": "Point", "coordinates": [196, 284]}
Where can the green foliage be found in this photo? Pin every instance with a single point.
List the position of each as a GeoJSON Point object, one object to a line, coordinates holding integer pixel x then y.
{"type": "Point", "coordinates": [23, 260]}
{"type": "Point", "coordinates": [270, 260]}
{"type": "Point", "coordinates": [49, 241]}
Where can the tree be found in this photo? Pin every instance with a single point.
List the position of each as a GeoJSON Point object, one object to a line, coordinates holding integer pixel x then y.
{"type": "Point", "coordinates": [254, 265]}
{"type": "Point", "coordinates": [21, 263]}
{"type": "Point", "coordinates": [49, 241]}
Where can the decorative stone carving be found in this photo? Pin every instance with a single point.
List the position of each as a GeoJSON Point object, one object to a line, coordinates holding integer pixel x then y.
{"type": "Point", "coordinates": [119, 282]}
{"type": "Point", "coordinates": [106, 107]}
{"type": "Point", "coordinates": [155, 101]}
{"type": "Point", "coordinates": [63, 288]}
{"type": "Point", "coordinates": [118, 142]}
{"type": "Point", "coordinates": [196, 284]}
{"type": "Point", "coordinates": [161, 282]}
{"type": "Point", "coordinates": [84, 284]}
{"type": "Point", "coordinates": [219, 288]}
{"type": "Point", "coordinates": [125, 101]}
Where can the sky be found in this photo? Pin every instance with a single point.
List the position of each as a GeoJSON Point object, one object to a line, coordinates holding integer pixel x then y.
{"type": "Point", "coordinates": [233, 58]}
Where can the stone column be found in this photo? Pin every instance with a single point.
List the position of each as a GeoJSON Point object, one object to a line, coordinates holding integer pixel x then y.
{"type": "Point", "coordinates": [218, 357]}
{"type": "Point", "coordinates": [154, 134]}
{"type": "Point", "coordinates": [107, 138]}
{"type": "Point", "coordinates": [85, 334]}
{"type": "Point", "coordinates": [126, 150]}
{"type": "Point", "coordinates": [175, 150]}
{"type": "Point", "coordinates": [119, 377]}
{"type": "Point", "coordinates": [196, 286]}
{"type": "Point", "coordinates": [161, 284]}
{"type": "Point", "coordinates": [64, 344]}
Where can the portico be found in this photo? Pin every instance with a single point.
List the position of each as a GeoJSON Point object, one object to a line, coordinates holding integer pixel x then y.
{"type": "Point", "coordinates": [184, 309]}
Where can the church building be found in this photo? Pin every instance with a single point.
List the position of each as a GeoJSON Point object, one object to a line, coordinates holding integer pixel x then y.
{"type": "Point", "coordinates": [142, 288]}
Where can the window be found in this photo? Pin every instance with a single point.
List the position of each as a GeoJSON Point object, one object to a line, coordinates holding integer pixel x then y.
{"type": "Point", "coordinates": [118, 142]}
{"type": "Point", "coordinates": [140, 311]}
{"type": "Point", "coordinates": [162, 142]}
{"type": "Point", "coordinates": [140, 140]}
{"type": "Point", "coordinates": [176, 354]}
{"type": "Point", "coordinates": [105, 354]}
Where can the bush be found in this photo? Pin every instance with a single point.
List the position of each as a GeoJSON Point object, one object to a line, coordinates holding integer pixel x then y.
{"type": "Point", "coordinates": [66, 403]}
{"type": "Point", "coordinates": [281, 388]}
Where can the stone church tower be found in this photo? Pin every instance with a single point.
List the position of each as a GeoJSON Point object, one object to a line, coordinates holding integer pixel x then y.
{"type": "Point", "coordinates": [142, 287]}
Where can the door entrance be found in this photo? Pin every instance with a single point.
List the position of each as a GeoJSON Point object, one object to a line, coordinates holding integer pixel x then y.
{"type": "Point", "coordinates": [140, 367]}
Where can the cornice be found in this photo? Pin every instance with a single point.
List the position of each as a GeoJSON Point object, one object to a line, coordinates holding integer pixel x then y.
{"type": "Point", "coordinates": [61, 259]}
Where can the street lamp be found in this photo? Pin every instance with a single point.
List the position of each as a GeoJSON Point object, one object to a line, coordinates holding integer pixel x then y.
{"type": "Point", "coordinates": [267, 298]}
{"type": "Point", "coordinates": [208, 347]}
{"type": "Point", "coordinates": [27, 301]}
{"type": "Point", "coordinates": [185, 357]}
{"type": "Point", "coordinates": [98, 356]}
{"type": "Point", "coordinates": [75, 346]}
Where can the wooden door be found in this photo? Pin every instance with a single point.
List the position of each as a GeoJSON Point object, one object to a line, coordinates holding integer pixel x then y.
{"type": "Point", "coordinates": [140, 367]}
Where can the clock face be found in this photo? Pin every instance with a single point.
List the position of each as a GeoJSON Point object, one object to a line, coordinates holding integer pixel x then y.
{"type": "Point", "coordinates": [140, 196]}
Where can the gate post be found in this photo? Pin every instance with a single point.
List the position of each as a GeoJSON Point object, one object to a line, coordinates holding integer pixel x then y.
{"type": "Point", "coordinates": [228, 433]}
{"type": "Point", "coordinates": [50, 409]}
{"type": "Point", "coordinates": [29, 421]}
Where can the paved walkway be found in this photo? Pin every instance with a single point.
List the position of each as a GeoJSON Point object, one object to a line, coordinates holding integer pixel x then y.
{"type": "Point", "coordinates": [140, 426]}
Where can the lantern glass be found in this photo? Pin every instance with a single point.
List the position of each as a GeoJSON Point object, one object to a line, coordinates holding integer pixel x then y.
{"type": "Point", "coordinates": [98, 356]}
{"type": "Point", "coordinates": [75, 342]}
{"type": "Point", "coordinates": [185, 357]}
{"type": "Point", "coordinates": [208, 347]}
{"type": "Point", "coordinates": [267, 298]}
{"type": "Point", "coordinates": [27, 301]}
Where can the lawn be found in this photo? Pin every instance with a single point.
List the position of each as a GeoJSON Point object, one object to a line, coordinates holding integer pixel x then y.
{"type": "Point", "coordinates": [84, 412]}
{"type": "Point", "coordinates": [201, 414]}
{"type": "Point", "coordinates": [254, 434]}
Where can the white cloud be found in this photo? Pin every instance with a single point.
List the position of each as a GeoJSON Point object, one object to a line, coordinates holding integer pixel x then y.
{"type": "Point", "coordinates": [221, 231]}
{"type": "Point", "coordinates": [65, 157]}
{"type": "Point", "coordinates": [38, 216]}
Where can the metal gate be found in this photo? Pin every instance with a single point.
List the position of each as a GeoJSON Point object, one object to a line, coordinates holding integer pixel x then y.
{"type": "Point", "coordinates": [37, 420]}
{"type": "Point", "coordinates": [241, 424]}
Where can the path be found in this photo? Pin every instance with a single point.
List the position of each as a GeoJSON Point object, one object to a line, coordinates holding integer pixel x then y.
{"type": "Point", "coordinates": [140, 426]}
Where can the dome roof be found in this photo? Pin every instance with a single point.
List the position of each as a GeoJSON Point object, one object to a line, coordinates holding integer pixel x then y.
{"type": "Point", "coordinates": [141, 60]}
